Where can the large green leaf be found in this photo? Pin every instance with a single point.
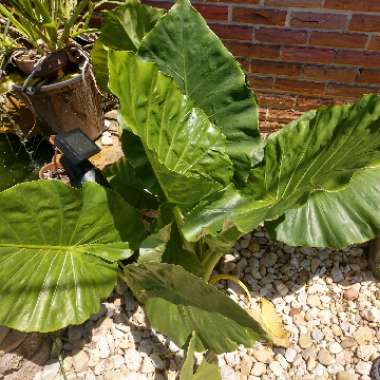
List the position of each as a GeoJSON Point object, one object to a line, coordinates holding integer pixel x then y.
{"type": "Point", "coordinates": [319, 152]}
{"type": "Point", "coordinates": [178, 303]}
{"type": "Point", "coordinates": [207, 370]}
{"type": "Point", "coordinates": [125, 26]}
{"type": "Point", "coordinates": [185, 48]}
{"type": "Point", "coordinates": [58, 253]}
{"type": "Point", "coordinates": [334, 218]}
{"type": "Point", "coordinates": [187, 153]}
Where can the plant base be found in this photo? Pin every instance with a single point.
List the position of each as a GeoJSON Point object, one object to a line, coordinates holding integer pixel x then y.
{"type": "Point", "coordinates": [374, 257]}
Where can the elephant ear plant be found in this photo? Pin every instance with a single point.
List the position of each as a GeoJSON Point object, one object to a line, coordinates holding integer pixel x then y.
{"type": "Point", "coordinates": [194, 155]}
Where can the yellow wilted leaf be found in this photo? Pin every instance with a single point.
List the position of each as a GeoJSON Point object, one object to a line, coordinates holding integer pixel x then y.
{"type": "Point", "coordinates": [271, 322]}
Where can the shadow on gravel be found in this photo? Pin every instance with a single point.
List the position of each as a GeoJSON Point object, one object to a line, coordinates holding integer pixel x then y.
{"type": "Point", "coordinates": [271, 269]}
{"type": "Point", "coordinates": [22, 355]}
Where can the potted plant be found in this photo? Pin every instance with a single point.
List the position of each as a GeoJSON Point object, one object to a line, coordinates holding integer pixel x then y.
{"type": "Point", "coordinates": [57, 82]}
{"type": "Point", "coordinates": [193, 149]}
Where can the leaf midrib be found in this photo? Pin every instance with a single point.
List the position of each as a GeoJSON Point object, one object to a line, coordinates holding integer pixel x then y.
{"type": "Point", "coordinates": [41, 246]}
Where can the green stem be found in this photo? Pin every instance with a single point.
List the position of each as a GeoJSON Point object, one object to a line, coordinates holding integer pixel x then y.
{"type": "Point", "coordinates": [209, 263]}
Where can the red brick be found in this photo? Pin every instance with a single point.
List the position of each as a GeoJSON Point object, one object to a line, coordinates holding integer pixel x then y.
{"type": "Point", "coordinates": [356, 58]}
{"type": "Point", "coordinates": [294, 3]}
{"type": "Point", "coordinates": [365, 23]}
{"type": "Point", "coordinates": [278, 68]}
{"type": "Point", "coordinates": [245, 64]}
{"type": "Point", "coordinates": [333, 39]}
{"type": "Point", "coordinates": [369, 76]}
{"type": "Point", "coordinates": [281, 36]}
{"type": "Point", "coordinates": [308, 54]}
{"type": "Point", "coordinates": [244, 49]}
{"type": "Point", "coordinates": [283, 116]}
{"type": "Point", "coordinates": [277, 101]}
{"type": "Point", "coordinates": [318, 20]}
{"type": "Point", "coordinates": [212, 12]}
{"type": "Point", "coordinates": [346, 91]}
{"type": "Point", "coordinates": [237, 1]}
{"type": "Point", "coordinates": [299, 86]}
{"type": "Point", "coordinates": [308, 103]}
{"type": "Point", "coordinates": [159, 4]}
{"type": "Point", "coordinates": [232, 32]}
{"type": "Point", "coordinates": [374, 44]}
{"type": "Point", "coordinates": [326, 73]}
{"type": "Point", "coordinates": [260, 82]}
{"type": "Point", "coordinates": [259, 16]}
{"type": "Point", "coordinates": [354, 5]}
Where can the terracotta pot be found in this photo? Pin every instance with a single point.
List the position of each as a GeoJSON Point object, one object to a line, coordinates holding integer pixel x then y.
{"type": "Point", "coordinates": [68, 104]}
{"type": "Point", "coordinates": [53, 63]}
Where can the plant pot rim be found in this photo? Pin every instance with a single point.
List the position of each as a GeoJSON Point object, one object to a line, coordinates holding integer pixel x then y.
{"type": "Point", "coordinates": [56, 86]}
{"type": "Point", "coordinates": [53, 62]}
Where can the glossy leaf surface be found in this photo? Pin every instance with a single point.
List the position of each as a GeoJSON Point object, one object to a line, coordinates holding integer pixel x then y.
{"type": "Point", "coordinates": [184, 47]}
{"type": "Point", "coordinates": [334, 218]}
{"type": "Point", "coordinates": [125, 26]}
{"type": "Point", "coordinates": [185, 150]}
{"type": "Point", "coordinates": [321, 151]}
{"type": "Point", "coordinates": [58, 253]}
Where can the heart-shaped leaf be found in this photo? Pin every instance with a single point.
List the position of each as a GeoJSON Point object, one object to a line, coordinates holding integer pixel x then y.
{"type": "Point", "coordinates": [187, 153]}
{"type": "Point", "coordinates": [58, 253]}
{"type": "Point", "coordinates": [184, 47]}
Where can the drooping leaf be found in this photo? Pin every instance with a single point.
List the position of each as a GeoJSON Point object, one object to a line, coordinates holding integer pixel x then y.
{"type": "Point", "coordinates": [178, 303]}
{"type": "Point", "coordinates": [185, 48]}
{"type": "Point", "coordinates": [99, 58]}
{"type": "Point", "coordinates": [186, 152]}
{"type": "Point", "coordinates": [58, 253]}
{"type": "Point", "coordinates": [270, 320]}
{"type": "Point", "coordinates": [334, 218]}
{"type": "Point", "coordinates": [207, 369]}
{"type": "Point", "coordinates": [125, 26]}
{"type": "Point", "coordinates": [319, 152]}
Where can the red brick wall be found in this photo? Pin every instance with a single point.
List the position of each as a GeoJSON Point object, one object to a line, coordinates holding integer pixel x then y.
{"type": "Point", "coordinates": [324, 50]}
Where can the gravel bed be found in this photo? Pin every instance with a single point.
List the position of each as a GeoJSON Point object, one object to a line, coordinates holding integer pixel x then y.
{"type": "Point", "coordinates": [328, 300]}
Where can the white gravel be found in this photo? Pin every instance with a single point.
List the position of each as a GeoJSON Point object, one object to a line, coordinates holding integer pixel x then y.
{"type": "Point", "coordinates": [328, 300]}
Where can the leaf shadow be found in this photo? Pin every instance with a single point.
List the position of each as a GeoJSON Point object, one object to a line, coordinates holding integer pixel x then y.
{"type": "Point", "coordinates": [36, 350]}
{"type": "Point", "coordinates": [276, 270]}
{"type": "Point", "coordinates": [139, 335]}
